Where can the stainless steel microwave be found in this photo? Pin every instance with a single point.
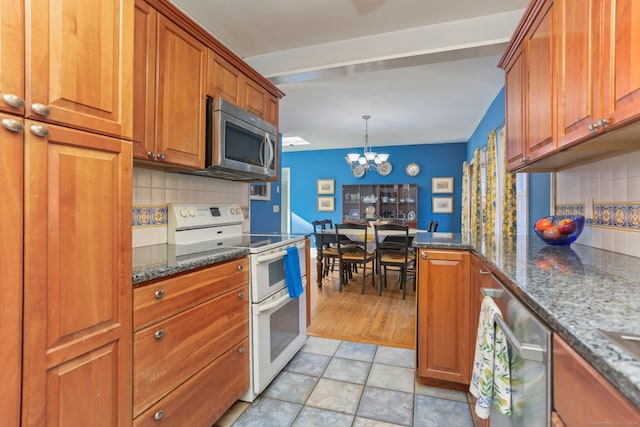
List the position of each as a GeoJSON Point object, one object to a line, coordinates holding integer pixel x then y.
{"type": "Point", "coordinates": [239, 144]}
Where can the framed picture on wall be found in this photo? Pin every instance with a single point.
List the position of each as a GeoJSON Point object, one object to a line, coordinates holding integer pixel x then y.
{"type": "Point", "coordinates": [326, 204]}
{"type": "Point", "coordinates": [442, 204]}
{"type": "Point", "coordinates": [442, 184]}
{"type": "Point", "coordinates": [260, 191]}
{"type": "Point", "coordinates": [326, 186]}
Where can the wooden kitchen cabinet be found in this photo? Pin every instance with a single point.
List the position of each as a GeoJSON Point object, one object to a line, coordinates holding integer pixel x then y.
{"type": "Point", "coordinates": [581, 396]}
{"type": "Point", "coordinates": [395, 203]}
{"type": "Point", "coordinates": [223, 79]}
{"type": "Point", "coordinates": [189, 330]}
{"type": "Point", "coordinates": [79, 64]}
{"type": "Point", "coordinates": [581, 81]}
{"type": "Point", "coordinates": [11, 176]}
{"type": "Point", "coordinates": [444, 301]}
{"type": "Point", "coordinates": [77, 279]}
{"type": "Point", "coordinates": [169, 91]}
{"type": "Point", "coordinates": [531, 76]}
{"type": "Point", "coordinates": [12, 56]}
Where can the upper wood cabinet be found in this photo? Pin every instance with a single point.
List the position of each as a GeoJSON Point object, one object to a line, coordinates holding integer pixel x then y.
{"type": "Point", "coordinates": [223, 79]}
{"type": "Point", "coordinates": [79, 64]}
{"type": "Point", "coordinates": [444, 352]}
{"type": "Point", "coordinates": [531, 91]}
{"type": "Point", "coordinates": [77, 295]}
{"type": "Point", "coordinates": [582, 81]}
{"type": "Point", "coordinates": [170, 114]}
{"type": "Point", "coordinates": [12, 56]}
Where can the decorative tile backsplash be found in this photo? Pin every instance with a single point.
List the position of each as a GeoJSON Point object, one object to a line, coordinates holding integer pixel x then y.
{"type": "Point", "coordinates": [615, 215]}
{"type": "Point", "coordinates": [149, 216]}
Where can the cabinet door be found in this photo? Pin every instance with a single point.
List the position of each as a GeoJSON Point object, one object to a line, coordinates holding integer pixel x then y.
{"type": "Point", "coordinates": [79, 64]}
{"type": "Point", "coordinates": [443, 316]}
{"type": "Point", "coordinates": [223, 79]}
{"type": "Point", "coordinates": [621, 72]}
{"type": "Point", "coordinates": [579, 85]}
{"type": "Point", "coordinates": [12, 56]}
{"type": "Point", "coordinates": [541, 80]}
{"type": "Point", "coordinates": [180, 96]}
{"type": "Point", "coordinates": [11, 155]}
{"type": "Point", "coordinates": [255, 98]}
{"type": "Point", "coordinates": [516, 108]}
{"type": "Point", "coordinates": [144, 80]}
{"type": "Point", "coordinates": [272, 109]}
{"type": "Point", "coordinates": [77, 279]}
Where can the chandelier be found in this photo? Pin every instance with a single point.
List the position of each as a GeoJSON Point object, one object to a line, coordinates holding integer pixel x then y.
{"type": "Point", "coordinates": [360, 164]}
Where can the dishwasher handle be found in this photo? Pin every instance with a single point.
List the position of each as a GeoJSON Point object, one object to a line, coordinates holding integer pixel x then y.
{"type": "Point", "coordinates": [525, 351]}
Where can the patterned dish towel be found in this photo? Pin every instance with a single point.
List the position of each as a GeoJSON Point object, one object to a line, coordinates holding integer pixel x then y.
{"type": "Point", "coordinates": [491, 378]}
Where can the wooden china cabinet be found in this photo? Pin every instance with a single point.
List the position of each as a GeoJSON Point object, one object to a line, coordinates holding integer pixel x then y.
{"type": "Point", "coordinates": [394, 203]}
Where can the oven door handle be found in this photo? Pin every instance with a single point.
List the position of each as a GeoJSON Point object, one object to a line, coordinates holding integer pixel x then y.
{"type": "Point", "coordinates": [278, 255]}
{"type": "Point", "coordinates": [525, 351]}
{"type": "Point", "coordinates": [266, 307]}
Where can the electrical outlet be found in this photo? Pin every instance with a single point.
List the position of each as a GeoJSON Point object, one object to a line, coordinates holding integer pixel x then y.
{"type": "Point", "coordinates": [276, 208]}
{"type": "Point", "coordinates": [588, 209]}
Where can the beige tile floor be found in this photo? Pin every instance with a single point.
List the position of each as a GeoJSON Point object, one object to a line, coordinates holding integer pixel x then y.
{"type": "Point", "coordinates": [341, 383]}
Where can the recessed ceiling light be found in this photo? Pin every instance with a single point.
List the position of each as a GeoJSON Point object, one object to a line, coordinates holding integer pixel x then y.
{"type": "Point", "coordinates": [294, 140]}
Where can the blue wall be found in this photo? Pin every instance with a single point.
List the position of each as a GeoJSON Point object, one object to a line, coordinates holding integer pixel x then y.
{"type": "Point", "coordinates": [439, 160]}
{"type": "Point", "coordinates": [493, 118]}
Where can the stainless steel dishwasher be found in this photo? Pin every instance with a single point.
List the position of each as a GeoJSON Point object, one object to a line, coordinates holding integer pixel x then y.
{"type": "Point", "coordinates": [530, 359]}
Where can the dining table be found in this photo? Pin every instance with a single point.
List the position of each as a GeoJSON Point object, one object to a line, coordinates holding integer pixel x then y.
{"type": "Point", "coordinates": [328, 237]}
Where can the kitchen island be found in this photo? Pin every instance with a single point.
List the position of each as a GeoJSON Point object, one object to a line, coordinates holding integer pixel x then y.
{"type": "Point", "coordinates": [576, 291]}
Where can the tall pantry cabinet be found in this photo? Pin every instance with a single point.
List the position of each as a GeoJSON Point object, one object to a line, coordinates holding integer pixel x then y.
{"type": "Point", "coordinates": [65, 175]}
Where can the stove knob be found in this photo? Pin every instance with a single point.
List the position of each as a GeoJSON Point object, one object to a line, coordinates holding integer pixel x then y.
{"type": "Point", "coordinates": [183, 213]}
{"type": "Point", "coordinates": [192, 212]}
{"type": "Point", "coordinates": [239, 211]}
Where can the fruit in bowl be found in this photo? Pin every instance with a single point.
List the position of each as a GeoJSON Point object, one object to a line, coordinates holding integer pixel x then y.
{"type": "Point", "coordinates": [559, 230]}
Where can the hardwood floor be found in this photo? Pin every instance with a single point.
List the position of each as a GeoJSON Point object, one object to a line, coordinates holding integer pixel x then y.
{"type": "Point", "coordinates": [351, 316]}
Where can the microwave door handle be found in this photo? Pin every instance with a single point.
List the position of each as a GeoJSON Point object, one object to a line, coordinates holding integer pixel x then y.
{"type": "Point", "coordinates": [269, 147]}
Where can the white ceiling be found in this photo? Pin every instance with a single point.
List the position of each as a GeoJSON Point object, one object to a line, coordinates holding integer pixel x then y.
{"type": "Point", "coordinates": [425, 70]}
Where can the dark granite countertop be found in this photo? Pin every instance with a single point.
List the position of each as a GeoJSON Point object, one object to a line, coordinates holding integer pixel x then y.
{"type": "Point", "coordinates": [158, 261]}
{"type": "Point", "coordinates": [576, 291]}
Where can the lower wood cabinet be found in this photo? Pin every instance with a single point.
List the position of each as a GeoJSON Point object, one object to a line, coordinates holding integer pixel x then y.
{"type": "Point", "coordinates": [190, 346]}
{"type": "Point", "coordinates": [581, 396]}
{"type": "Point", "coordinates": [444, 325]}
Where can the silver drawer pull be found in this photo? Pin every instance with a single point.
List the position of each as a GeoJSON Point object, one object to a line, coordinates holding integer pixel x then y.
{"type": "Point", "coordinates": [241, 350]}
{"type": "Point", "coordinates": [13, 100]}
{"type": "Point", "coordinates": [151, 155]}
{"type": "Point", "coordinates": [161, 156]}
{"type": "Point", "coordinates": [158, 415]}
{"type": "Point", "coordinates": [12, 125]}
{"type": "Point", "coordinates": [241, 295]}
{"type": "Point", "coordinates": [241, 267]}
{"type": "Point", "coordinates": [484, 272]}
{"type": "Point", "coordinates": [39, 130]}
{"type": "Point", "coordinates": [41, 109]}
{"type": "Point", "coordinates": [159, 293]}
{"type": "Point", "coordinates": [159, 334]}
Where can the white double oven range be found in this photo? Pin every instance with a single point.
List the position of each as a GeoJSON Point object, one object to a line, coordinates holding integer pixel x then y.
{"type": "Point", "coordinates": [277, 327]}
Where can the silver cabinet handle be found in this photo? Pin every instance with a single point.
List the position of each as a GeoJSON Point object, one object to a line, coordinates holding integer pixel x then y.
{"type": "Point", "coordinates": [159, 293]}
{"type": "Point", "coordinates": [526, 351]}
{"type": "Point", "coordinates": [490, 292]}
{"type": "Point", "coordinates": [159, 334]}
{"type": "Point", "coordinates": [602, 123]}
{"type": "Point", "coordinates": [241, 350]}
{"type": "Point", "coordinates": [41, 109]}
{"type": "Point", "coordinates": [161, 156]}
{"type": "Point", "coordinates": [39, 130]}
{"type": "Point", "coordinates": [484, 272]}
{"type": "Point", "coordinates": [158, 415]}
{"type": "Point", "coordinates": [593, 127]}
{"type": "Point", "coordinates": [151, 155]}
{"type": "Point", "coordinates": [241, 267]}
{"type": "Point", "coordinates": [13, 125]}
{"type": "Point", "coordinates": [13, 100]}
{"type": "Point", "coordinates": [241, 295]}
{"type": "Point", "coordinates": [423, 255]}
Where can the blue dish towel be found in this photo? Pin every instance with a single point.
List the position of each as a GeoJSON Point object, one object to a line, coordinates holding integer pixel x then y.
{"type": "Point", "coordinates": [292, 272]}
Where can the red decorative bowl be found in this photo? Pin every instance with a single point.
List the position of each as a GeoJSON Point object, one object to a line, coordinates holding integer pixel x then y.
{"type": "Point", "coordinates": [559, 230]}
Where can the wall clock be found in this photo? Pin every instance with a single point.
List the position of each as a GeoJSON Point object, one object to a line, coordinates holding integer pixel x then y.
{"type": "Point", "coordinates": [412, 169]}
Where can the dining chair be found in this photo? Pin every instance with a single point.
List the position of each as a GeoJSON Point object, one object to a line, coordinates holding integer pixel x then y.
{"type": "Point", "coordinates": [352, 251]}
{"type": "Point", "coordinates": [393, 253]}
{"type": "Point", "coordinates": [327, 253]}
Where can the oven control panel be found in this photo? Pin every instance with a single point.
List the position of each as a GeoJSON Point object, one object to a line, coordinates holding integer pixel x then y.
{"type": "Point", "coordinates": [183, 216]}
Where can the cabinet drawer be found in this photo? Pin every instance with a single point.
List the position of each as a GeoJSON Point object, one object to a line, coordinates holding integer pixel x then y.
{"type": "Point", "coordinates": [206, 396]}
{"type": "Point", "coordinates": [152, 303]}
{"type": "Point", "coordinates": [167, 353]}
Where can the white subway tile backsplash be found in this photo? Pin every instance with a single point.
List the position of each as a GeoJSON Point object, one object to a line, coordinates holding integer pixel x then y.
{"type": "Point", "coordinates": [633, 189]}
{"type": "Point", "coordinates": [143, 177]}
{"type": "Point", "coordinates": [171, 181]}
{"type": "Point", "coordinates": [142, 196]}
